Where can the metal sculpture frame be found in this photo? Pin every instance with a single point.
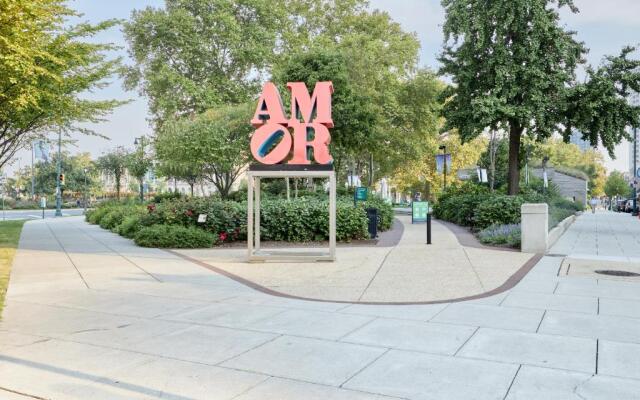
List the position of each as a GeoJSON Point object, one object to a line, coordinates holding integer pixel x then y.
{"type": "Point", "coordinates": [255, 252]}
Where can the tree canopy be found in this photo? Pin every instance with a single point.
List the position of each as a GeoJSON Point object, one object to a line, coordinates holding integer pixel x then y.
{"type": "Point", "coordinates": [217, 142]}
{"type": "Point", "coordinates": [193, 55]}
{"type": "Point", "coordinates": [616, 185]}
{"type": "Point", "coordinates": [45, 67]}
{"type": "Point", "coordinates": [114, 163]}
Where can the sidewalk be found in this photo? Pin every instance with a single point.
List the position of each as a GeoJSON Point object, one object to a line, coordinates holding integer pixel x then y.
{"type": "Point", "coordinates": [90, 316]}
{"type": "Point", "coordinates": [410, 271]}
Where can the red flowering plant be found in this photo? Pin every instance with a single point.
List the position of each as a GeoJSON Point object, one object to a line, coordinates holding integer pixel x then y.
{"type": "Point", "coordinates": [222, 236]}
{"type": "Point", "coordinates": [151, 207]}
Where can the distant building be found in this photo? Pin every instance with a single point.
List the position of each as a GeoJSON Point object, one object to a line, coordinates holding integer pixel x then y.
{"type": "Point", "coordinates": [576, 138]}
{"type": "Point", "coordinates": [631, 172]}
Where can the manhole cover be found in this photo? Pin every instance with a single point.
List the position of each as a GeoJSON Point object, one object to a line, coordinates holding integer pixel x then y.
{"type": "Point", "coordinates": [615, 272]}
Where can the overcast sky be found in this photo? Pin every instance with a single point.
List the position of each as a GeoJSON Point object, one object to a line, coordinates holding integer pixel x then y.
{"type": "Point", "coordinates": [605, 26]}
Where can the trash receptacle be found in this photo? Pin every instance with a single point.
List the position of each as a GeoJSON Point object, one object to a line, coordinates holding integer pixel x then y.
{"type": "Point", "coordinates": [372, 216]}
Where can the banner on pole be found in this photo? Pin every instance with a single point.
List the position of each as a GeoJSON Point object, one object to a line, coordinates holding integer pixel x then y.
{"type": "Point", "coordinates": [440, 159]}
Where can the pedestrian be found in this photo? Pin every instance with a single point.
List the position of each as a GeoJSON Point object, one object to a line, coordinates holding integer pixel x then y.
{"type": "Point", "coordinates": [593, 203]}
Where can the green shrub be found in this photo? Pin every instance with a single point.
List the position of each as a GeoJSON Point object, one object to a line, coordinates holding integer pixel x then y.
{"type": "Point", "coordinates": [170, 195]}
{"type": "Point", "coordinates": [499, 210]}
{"type": "Point", "coordinates": [173, 236]}
{"type": "Point", "coordinates": [130, 226]}
{"type": "Point", "coordinates": [509, 235]}
{"type": "Point", "coordinates": [96, 215]}
{"type": "Point", "coordinates": [385, 212]}
{"type": "Point", "coordinates": [113, 218]}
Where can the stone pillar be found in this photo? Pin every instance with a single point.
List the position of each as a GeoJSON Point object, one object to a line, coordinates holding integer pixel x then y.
{"type": "Point", "coordinates": [534, 227]}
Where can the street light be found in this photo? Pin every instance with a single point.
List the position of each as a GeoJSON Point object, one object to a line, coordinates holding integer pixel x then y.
{"type": "Point", "coordinates": [443, 147]}
{"type": "Point", "coordinates": [59, 174]}
{"type": "Point", "coordinates": [140, 141]}
{"type": "Point", "coordinates": [85, 190]}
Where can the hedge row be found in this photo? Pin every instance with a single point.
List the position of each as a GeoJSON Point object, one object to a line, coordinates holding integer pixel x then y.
{"type": "Point", "coordinates": [298, 220]}
{"type": "Point", "coordinates": [474, 206]}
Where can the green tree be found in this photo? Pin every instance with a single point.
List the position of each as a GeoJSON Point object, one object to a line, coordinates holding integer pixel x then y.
{"type": "Point", "coordinates": [599, 107]}
{"type": "Point", "coordinates": [353, 116]}
{"type": "Point", "coordinates": [217, 142]}
{"type": "Point", "coordinates": [45, 66]}
{"type": "Point", "coordinates": [138, 164]}
{"type": "Point", "coordinates": [73, 168]}
{"type": "Point", "coordinates": [510, 62]}
{"type": "Point", "coordinates": [114, 163]}
{"type": "Point", "coordinates": [616, 185]}
{"type": "Point", "coordinates": [195, 54]}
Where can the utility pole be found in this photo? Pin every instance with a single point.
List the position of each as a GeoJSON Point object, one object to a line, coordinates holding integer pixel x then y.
{"type": "Point", "coordinates": [85, 191]}
{"type": "Point", "coordinates": [33, 175]}
{"type": "Point", "coordinates": [59, 172]}
{"type": "Point", "coordinates": [444, 162]}
{"type": "Point", "coordinates": [635, 171]}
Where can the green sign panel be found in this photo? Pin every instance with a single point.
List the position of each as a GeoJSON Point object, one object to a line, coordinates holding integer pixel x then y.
{"type": "Point", "coordinates": [419, 211]}
{"type": "Point", "coordinates": [361, 193]}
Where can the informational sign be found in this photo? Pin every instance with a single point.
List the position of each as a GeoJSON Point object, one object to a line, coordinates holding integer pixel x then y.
{"type": "Point", "coordinates": [419, 211]}
{"type": "Point", "coordinates": [202, 218]}
{"type": "Point", "coordinates": [306, 128]}
{"type": "Point", "coordinates": [482, 175]}
{"type": "Point", "coordinates": [361, 193]}
{"type": "Point", "coordinates": [43, 202]}
{"type": "Point", "coordinates": [638, 173]}
{"type": "Point", "coordinates": [440, 160]}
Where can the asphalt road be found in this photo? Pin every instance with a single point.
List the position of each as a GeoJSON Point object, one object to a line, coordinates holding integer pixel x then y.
{"type": "Point", "coordinates": [37, 214]}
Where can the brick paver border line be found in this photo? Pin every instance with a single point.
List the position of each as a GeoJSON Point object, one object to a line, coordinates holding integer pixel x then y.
{"type": "Point", "coordinates": [508, 284]}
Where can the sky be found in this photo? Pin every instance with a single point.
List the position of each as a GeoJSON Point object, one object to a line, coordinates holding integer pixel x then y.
{"type": "Point", "coordinates": [605, 27]}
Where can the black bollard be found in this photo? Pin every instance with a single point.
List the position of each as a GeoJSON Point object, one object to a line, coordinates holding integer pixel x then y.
{"type": "Point", "coordinates": [428, 228]}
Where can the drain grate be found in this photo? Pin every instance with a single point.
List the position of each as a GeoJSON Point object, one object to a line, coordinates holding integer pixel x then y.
{"type": "Point", "coordinates": [613, 272]}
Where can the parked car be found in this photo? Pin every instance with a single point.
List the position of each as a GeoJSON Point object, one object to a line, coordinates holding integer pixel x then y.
{"type": "Point", "coordinates": [620, 205]}
{"type": "Point", "coordinates": [628, 206]}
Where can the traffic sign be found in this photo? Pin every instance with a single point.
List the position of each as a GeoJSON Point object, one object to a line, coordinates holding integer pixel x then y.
{"type": "Point", "coordinates": [638, 173]}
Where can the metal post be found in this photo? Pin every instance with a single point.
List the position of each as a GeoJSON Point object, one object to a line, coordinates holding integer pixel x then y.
{"type": "Point", "coordinates": [635, 171]}
{"type": "Point", "coordinates": [3, 213]}
{"type": "Point", "coordinates": [332, 215]}
{"type": "Point", "coordinates": [85, 191]}
{"type": "Point", "coordinates": [257, 207]}
{"type": "Point", "coordinates": [250, 214]}
{"type": "Point", "coordinates": [428, 227]}
{"type": "Point", "coordinates": [59, 171]}
{"type": "Point", "coordinates": [444, 156]}
{"type": "Point", "coordinates": [33, 177]}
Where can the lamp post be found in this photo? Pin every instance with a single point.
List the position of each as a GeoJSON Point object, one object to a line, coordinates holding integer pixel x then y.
{"type": "Point", "coordinates": [139, 141]}
{"type": "Point", "coordinates": [443, 147]}
{"type": "Point", "coordinates": [86, 188]}
{"type": "Point", "coordinates": [635, 171]}
{"type": "Point", "coordinates": [59, 172]}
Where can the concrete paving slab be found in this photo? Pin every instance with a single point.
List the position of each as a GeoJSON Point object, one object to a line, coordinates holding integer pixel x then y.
{"type": "Point", "coordinates": [619, 359]}
{"type": "Point", "coordinates": [620, 308]}
{"type": "Point", "coordinates": [429, 377]}
{"type": "Point", "coordinates": [180, 380]}
{"type": "Point", "coordinates": [576, 354]}
{"type": "Point", "coordinates": [410, 312]}
{"type": "Point", "coordinates": [490, 316]}
{"type": "Point", "coordinates": [428, 337]}
{"type": "Point", "coordinates": [284, 389]}
{"type": "Point", "coordinates": [317, 324]}
{"type": "Point", "coordinates": [227, 315]}
{"type": "Point", "coordinates": [204, 344]}
{"type": "Point", "coordinates": [544, 301]}
{"type": "Point", "coordinates": [310, 360]}
{"type": "Point", "coordinates": [533, 383]}
{"type": "Point", "coordinates": [591, 326]}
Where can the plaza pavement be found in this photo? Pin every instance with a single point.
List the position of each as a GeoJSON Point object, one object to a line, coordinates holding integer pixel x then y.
{"type": "Point", "coordinates": [406, 271]}
{"type": "Point", "coordinates": [90, 316]}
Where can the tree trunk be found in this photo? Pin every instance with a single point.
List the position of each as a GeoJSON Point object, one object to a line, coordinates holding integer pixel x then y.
{"type": "Point", "coordinates": [515, 133]}
{"type": "Point", "coordinates": [492, 159]}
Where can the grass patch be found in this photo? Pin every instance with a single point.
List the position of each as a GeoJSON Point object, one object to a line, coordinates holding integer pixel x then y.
{"type": "Point", "coordinates": [9, 236]}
